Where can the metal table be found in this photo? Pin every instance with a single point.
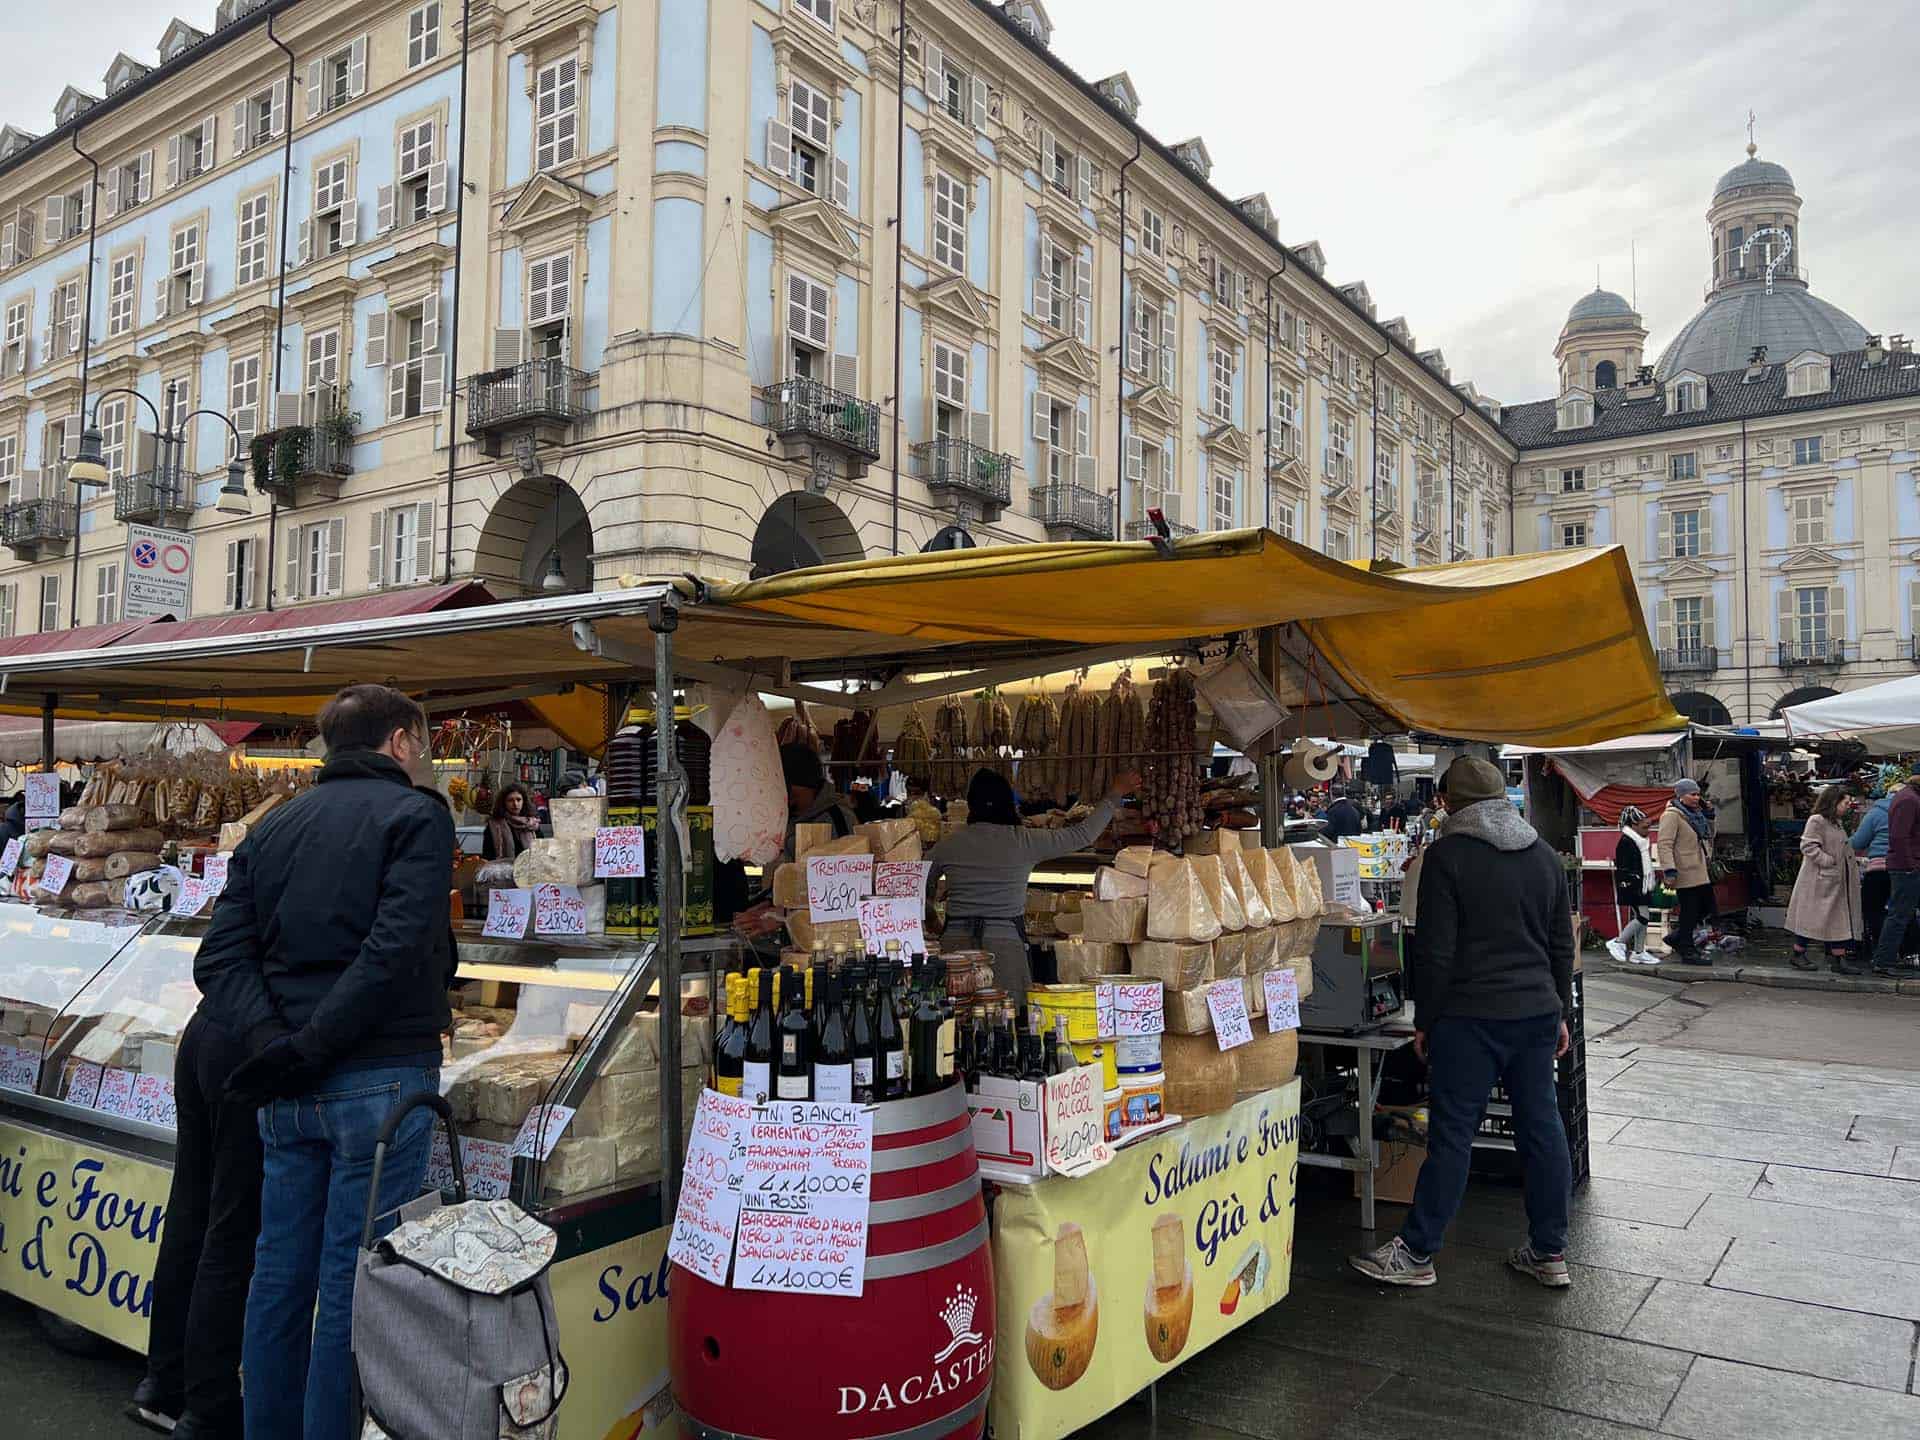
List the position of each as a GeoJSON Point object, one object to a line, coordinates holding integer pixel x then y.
{"type": "Point", "coordinates": [1365, 1158]}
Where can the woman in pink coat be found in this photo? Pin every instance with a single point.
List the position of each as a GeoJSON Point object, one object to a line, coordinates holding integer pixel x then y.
{"type": "Point", "coordinates": [1826, 894]}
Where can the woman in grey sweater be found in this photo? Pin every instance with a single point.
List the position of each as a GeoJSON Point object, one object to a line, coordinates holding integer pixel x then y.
{"type": "Point", "coordinates": [987, 864]}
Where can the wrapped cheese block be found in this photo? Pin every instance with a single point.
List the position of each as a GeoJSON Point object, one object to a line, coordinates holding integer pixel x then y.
{"type": "Point", "coordinates": [579, 1164]}
{"type": "Point", "coordinates": [1266, 1062]}
{"type": "Point", "coordinates": [1070, 922]}
{"type": "Point", "coordinates": [1177, 907]}
{"type": "Point", "coordinates": [1201, 1077]}
{"type": "Point", "coordinates": [113, 817]}
{"type": "Point", "coordinates": [1286, 871]}
{"type": "Point", "coordinates": [1066, 901]}
{"type": "Point", "coordinates": [1176, 964]}
{"type": "Point", "coordinates": [554, 862]}
{"type": "Point", "coordinates": [1187, 1012]}
{"type": "Point", "coordinates": [845, 845]}
{"type": "Point", "coordinates": [1114, 884]}
{"type": "Point", "coordinates": [1078, 961]}
{"type": "Point", "coordinates": [1266, 878]}
{"type": "Point", "coordinates": [98, 844]}
{"type": "Point", "coordinates": [790, 887]}
{"type": "Point", "coordinates": [884, 835]}
{"type": "Point", "coordinates": [807, 935]}
{"type": "Point", "coordinates": [130, 862]}
{"type": "Point", "coordinates": [1226, 904]}
{"type": "Point", "coordinates": [809, 838]}
{"type": "Point", "coordinates": [1134, 860]}
{"type": "Point", "coordinates": [1114, 922]}
{"type": "Point", "coordinates": [1263, 948]}
{"type": "Point", "coordinates": [1296, 940]}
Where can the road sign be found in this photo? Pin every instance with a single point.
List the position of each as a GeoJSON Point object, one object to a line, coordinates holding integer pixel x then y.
{"type": "Point", "coordinates": [159, 574]}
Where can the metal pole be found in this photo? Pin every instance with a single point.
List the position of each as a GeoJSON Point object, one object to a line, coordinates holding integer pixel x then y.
{"type": "Point", "coordinates": [459, 231]}
{"type": "Point", "coordinates": [280, 305]}
{"type": "Point", "coordinates": [46, 731]}
{"type": "Point", "coordinates": [663, 617]}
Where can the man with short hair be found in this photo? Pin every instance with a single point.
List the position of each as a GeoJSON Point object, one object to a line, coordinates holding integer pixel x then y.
{"type": "Point", "coordinates": [1492, 996]}
{"type": "Point", "coordinates": [1685, 846]}
{"type": "Point", "coordinates": [327, 954]}
{"type": "Point", "coordinates": [1903, 868]}
{"type": "Point", "coordinates": [1343, 815]}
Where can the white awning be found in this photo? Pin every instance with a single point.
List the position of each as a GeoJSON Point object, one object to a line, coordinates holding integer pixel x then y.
{"type": "Point", "coordinates": [1884, 718]}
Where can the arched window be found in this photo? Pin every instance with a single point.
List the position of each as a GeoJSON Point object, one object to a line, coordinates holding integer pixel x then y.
{"type": "Point", "coordinates": [1605, 375]}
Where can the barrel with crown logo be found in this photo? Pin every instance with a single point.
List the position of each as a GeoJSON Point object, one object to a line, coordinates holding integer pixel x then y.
{"type": "Point", "coordinates": [913, 1356]}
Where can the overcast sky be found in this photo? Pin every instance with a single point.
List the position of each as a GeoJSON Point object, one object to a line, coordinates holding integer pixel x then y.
{"type": "Point", "coordinates": [1472, 160]}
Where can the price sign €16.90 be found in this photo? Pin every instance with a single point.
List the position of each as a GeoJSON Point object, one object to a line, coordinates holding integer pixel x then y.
{"type": "Point", "coordinates": [836, 884]}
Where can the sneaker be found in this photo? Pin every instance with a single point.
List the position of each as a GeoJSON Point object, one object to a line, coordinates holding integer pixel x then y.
{"type": "Point", "coordinates": [152, 1409]}
{"type": "Point", "coordinates": [1617, 951]}
{"type": "Point", "coordinates": [1549, 1270]}
{"type": "Point", "coordinates": [1642, 957]}
{"type": "Point", "coordinates": [1394, 1264]}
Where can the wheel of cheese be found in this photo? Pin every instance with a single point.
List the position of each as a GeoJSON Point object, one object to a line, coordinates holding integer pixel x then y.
{"type": "Point", "coordinates": [1169, 1317]}
{"type": "Point", "coordinates": [749, 788]}
{"type": "Point", "coordinates": [1060, 1339]}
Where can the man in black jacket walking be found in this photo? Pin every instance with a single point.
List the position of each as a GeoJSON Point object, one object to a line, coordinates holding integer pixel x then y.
{"type": "Point", "coordinates": [327, 953]}
{"type": "Point", "coordinates": [1494, 989]}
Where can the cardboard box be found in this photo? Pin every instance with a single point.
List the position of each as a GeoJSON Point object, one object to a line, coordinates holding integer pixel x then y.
{"type": "Point", "coordinates": [1009, 1128]}
{"type": "Point", "coordinates": [1339, 870]}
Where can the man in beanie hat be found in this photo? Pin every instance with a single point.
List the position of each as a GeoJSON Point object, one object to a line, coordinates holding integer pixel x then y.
{"type": "Point", "coordinates": [1683, 846]}
{"type": "Point", "coordinates": [1491, 997]}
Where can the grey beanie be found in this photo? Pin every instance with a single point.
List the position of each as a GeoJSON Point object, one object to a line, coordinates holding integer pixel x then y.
{"type": "Point", "coordinates": [1686, 787]}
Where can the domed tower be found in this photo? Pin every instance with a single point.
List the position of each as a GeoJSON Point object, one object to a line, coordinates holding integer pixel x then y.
{"type": "Point", "coordinates": [1601, 342]}
{"type": "Point", "coordinates": [1757, 292]}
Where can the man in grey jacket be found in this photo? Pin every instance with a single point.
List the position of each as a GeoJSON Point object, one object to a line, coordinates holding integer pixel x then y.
{"type": "Point", "coordinates": [1493, 992]}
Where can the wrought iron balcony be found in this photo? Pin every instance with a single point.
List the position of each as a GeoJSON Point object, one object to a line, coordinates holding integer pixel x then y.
{"type": "Point", "coordinates": [545, 396]}
{"type": "Point", "coordinates": [1798, 653]}
{"type": "Point", "coordinates": [807, 414]}
{"type": "Point", "coordinates": [1689, 660]}
{"type": "Point", "coordinates": [29, 526]}
{"type": "Point", "coordinates": [1143, 529]}
{"type": "Point", "coordinates": [153, 497]}
{"type": "Point", "coordinates": [958, 469]}
{"type": "Point", "coordinates": [1072, 512]}
{"type": "Point", "coordinates": [302, 461]}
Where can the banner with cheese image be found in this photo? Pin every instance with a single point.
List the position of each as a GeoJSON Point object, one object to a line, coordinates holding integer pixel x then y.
{"type": "Point", "coordinates": [1114, 1278]}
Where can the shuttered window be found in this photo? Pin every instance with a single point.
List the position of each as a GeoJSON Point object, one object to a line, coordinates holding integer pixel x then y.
{"type": "Point", "coordinates": [122, 282]}
{"type": "Point", "coordinates": [250, 260]}
{"type": "Point", "coordinates": [423, 35]}
{"type": "Point", "coordinates": [949, 375]}
{"type": "Point", "coordinates": [807, 311]}
{"type": "Point", "coordinates": [949, 221]}
{"type": "Point", "coordinates": [550, 289]}
{"type": "Point", "coordinates": [556, 99]}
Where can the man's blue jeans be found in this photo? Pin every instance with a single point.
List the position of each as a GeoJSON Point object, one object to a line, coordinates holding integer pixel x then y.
{"type": "Point", "coordinates": [1901, 902]}
{"type": "Point", "coordinates": [1465, 1057]}
{"type": "Point", "coordinates": [297, 1360]}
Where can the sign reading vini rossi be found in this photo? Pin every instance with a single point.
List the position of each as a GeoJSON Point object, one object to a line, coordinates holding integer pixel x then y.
{"type": "Point", "coordinates": [1114, 1278]}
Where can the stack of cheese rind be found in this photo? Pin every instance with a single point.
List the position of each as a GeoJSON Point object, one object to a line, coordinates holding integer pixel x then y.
{"type": "Point", "coordinates": [1266, 1061]}
{"type": "Point", "coordinates": [1201, 1077]}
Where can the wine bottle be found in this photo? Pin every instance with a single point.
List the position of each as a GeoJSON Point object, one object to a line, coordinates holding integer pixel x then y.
{"type": "Point", "coordinates": [1032, 1065]}
{"type": "Point", "coordinates": [817, 998]}
{"type": "Point", "coordinates": [924, 1047]}
{"type": "Point", "coordinates": [948, 1036]}
{"type": "Point", "coordinates": [1062, 1059]}
{"type": "Point", "coordinates": [833, 1055]}
{"type": "Point", "coordinates": [1006, 1049]}
{"type": "Point", "coordinates": [860, 1004]}
{"type": "Point", "coordinates": [756, 1078]}
{"type": "Point", "coordinates": [963, 1048]}
{"type": "Point", "coordinates": [793, 1061]}
{"type": "Point", "coordinates": [890, 1051]}
{"type": "Point", "coordinates": [730, 1049]}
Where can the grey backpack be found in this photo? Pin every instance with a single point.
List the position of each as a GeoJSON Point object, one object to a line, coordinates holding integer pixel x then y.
{"type": "Point", "coordinates": [454, 1331]}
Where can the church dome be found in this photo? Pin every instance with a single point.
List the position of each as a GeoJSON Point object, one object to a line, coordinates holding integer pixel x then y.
{"type": "Point", "coordinates": [1601, 306]}
{"type": "Point", "coordinates": [1790, 319]}
{"type": "Point", "coordinates": [1751, 172]}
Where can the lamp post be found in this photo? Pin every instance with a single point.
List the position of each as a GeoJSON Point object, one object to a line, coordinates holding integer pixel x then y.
{"type": "Point", "coordinates": [89, 471]}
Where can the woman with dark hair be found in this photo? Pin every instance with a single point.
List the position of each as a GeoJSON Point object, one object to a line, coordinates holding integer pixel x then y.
{"type": "Point", "coordinates": [987, 864]}
{"type": "Point", "coordinates": [1825, 904]}
{"type": "Point", "coordinates": [1632, 882]}
{"type": "Point", "coordinates": [513, 825]}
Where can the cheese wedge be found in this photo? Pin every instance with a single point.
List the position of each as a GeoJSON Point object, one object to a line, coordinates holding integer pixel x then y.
{"type": "Point", "coordinates": [1114, 922]}
{"type": "Point", "coordinates": [1266, 876]}
{"type": "Point", "coordinates": [1226, 904]}
{"type": "Point", "coordinates": [1114, 884]}
{"type": "Point", "coordinates": [1063, 1326]}
{"type": "Point", "coordinates": [1170, 1291]}
{"type": "Point", "coordinates": [1178, 908]}
{"type": "Point", "coordinates": [1238, 878]}
{"type": "Point", "coordinates": [1180, 965]}
{"type": "Point", "coordinates": [1134, 860]}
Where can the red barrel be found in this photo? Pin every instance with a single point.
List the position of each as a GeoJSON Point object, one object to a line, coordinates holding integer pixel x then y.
{"type": "Point", "coordinates": [912, 1357]}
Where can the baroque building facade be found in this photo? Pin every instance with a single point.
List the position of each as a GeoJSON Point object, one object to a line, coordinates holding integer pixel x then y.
{"type": "Point", "coordinates": [1761, 475]}
{"type": "Point", "coordinates": [605, 287]}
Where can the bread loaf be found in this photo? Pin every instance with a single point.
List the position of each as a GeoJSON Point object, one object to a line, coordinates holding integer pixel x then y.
{"type": "Point", "coordinates": [114, 817]}
{"type": "Point", "coordinates": [90, 870]}
{"type": "Point", "coordinates": [99, 844]}
{"type": "Point", "coordinates": [96, 896]}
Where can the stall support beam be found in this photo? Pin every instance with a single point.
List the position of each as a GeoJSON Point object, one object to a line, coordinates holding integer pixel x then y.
{"type": "Point", "coordinates": [46, 730]}
{"type": "Point", "coordinates": [663, 618]}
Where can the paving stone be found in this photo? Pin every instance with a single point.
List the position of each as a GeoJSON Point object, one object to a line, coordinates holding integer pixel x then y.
{"type": "Point", "coordinates": [1897, 1129]}
{"type": "Point", "coordinates": [1256, 1388]}
{"type": "Point", "coordinates": [1871, 1194]}
{"type": "Point", "coordinates": [1810, 1227]}
{"type": "Point", "coordinates": [1134, 1421]}
{"type": "Point", "coordinates": [1724, 1401]}
{"type": "Point", "coordinates": [1601, 1069]}
{"type": "Point", "coordinates": [1631, 1200]}
{"type": "Point", "coordinates": [1821, 1088]}
{"type": "Point", "coordinates": [1680, 1172]}
{"type": "Point", "coordinates": [1623, 1098]}
{"type": "Point", "coordinates": [1602, 1128]}
{"type": "Point", "coordinates": [1632, 1246]}
{"type": "Point", "coordinates": [1409, 1409]}
{"type": "Point", "coordinates": [1809, 1339]}
{"type": "Point", "coordinates": [1859, 1156]}
{"type": "Point", "coordinates": [1872, 1285]}
{"type": "Point", "coordinates": [1906, 1162]}
{"type": "Point", "coordinates": [1718, 1060]}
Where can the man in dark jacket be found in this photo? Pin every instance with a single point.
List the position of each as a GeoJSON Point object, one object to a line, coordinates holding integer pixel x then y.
{"type": "Point", "coordinates": [1494, 989]}
{"type": "Point", "coordinates": [327, 954]}
{"type": "Point", "coordinates": [1903, 870]}
{"type": "Point", "coordinates": [1344, 818]}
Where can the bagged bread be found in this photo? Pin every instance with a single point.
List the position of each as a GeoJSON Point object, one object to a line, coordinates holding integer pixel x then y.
{"type": "Point", "coordinates": [93, 844]}
{"type": "Point", "coordinates": [113, 817]}
{"type": "Point", "coordinates": [74, 817]}
{"type": "Point", "coordinates": [1201, 1077]}
{"type": "Point", "coordinates": [62, 842]}
{"type": "Point", "coordinates": [1226, 904]}
{"type": "Point", "coordinates": [1176, 964]}
{"type": "Point", "coordinates": [1078, 961]}
{"type": "Point", "coordinates": [130, 862]}
{"type": "Point", "coordinates": [1238, 878]}
{"type": "Point", "coordinates": [38, 843]}
{"type": "Point", "coordinates": [1266, 1062]}
{"type": "Point", "coordinates": [1177, 907]}
{"type": "Point", "coordinates": [1116, 884]}
{"type": "Point", "coordinates": [1113, 922]}
{"type": "Point", "coordinates": [1134, 860]}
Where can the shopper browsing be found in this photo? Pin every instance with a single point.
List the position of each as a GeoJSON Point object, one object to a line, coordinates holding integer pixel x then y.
{"type": "Point", "coordinates": [1343, 815]}
{"type": "Point", "coordinates": [1825, 904]}
{"type": "Point", "coordinates": [1632, 868]}
{"type": "Point", "coordinates": [1903, 865]}
{"type": "Point", "coordinates": [327, 954]}
{"type": "Point", "coordinates": [1869, 842]}
{"type": "Point", "coordinates": [512, 827]}
{"type": "Point", "coordinates": [1493, 990]}
{"type": "Point", "coordinates": [1686, 833]}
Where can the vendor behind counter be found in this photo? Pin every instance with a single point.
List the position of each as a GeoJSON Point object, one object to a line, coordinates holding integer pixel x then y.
{"type": "Point", "coordinates": [987, 866]}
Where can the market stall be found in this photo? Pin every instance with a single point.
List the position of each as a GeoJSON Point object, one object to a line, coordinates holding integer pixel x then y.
{"type": "Point", "coordinates": [576, 1022]}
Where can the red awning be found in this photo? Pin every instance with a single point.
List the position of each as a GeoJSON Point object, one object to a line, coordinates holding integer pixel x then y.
{"type": "Point", "coordinates": [85, 637]}
{"type": "Point", "coordinates": [381, 605]}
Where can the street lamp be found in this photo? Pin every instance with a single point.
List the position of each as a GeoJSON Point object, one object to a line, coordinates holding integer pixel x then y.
{"type": "Point", "coordinates": [89, 468]}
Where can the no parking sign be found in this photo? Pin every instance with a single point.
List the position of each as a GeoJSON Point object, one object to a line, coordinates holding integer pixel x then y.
{"type": "Point", "coordinates": [159, 574]}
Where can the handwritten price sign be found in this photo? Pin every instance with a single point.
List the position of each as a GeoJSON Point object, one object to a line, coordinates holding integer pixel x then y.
{"type": "Point", "coordinates": [1227, 1003]}
{"type": "Point", "coordinates": [59, 871]}
{"type": "Point", "coordinates": [43, 799]}
{"type": "Point", "coordinates": [1076, 1122]}
{"type": "Point", "coordinates": [1139, 1008]}
{"type": "Point", "coordinates": [541, 1130]}
{"type": "Point", "coordinates": [153, 1100]}
{"type": "Point", "coordinates": [214, 868]}
{"type": "Point", "coordinates": [619, 853]}
{"type": "Point", "coordinates": [1283, 999]}
{"type": "Point", "coordinates": [836, 884]}
{"type": "Point", "coordinates": [116, 1092]}
{"type": "Point", "coordinates": [10, 858]}
{"type": "Point", "coordinates": [83, 1083]}
{"type": "Point", "coordinates": [558, 910]}
{"type": "Point", "coordinates": [892, 919]}
{"type": "Point", "coordinates": [194, 896]}
{"type": "Point", "coordinates": [508, 912]}
{"type": "Point", "coordinates": [486, 1165]}
{"type": "Point", "coordinates": [901, 878]}
{"type": "Point", "coordinates": [803, 1219]}
{"type": "Point", "coordinates": [19, 1068]}
{"type": "Point", "coordinates": [708, 1215]}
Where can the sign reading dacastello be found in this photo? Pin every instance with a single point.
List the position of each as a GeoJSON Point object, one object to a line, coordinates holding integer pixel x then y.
{"type": "Point", "coordinates": [159, 574]}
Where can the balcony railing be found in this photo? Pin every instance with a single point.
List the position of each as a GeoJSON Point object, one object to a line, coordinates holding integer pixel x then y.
{"type": "Point", "coordinates": [955, 467]}
{"type": "Point", "coordinates": [1143, 529]}
{"type": "Point", "coordinates": [26, 525]}
{"type": "Point", "coordinates": [1910, 649]}
{"type": "Point", "coordinates": [533, 393]}
{"type": "Point", "coordinates": [812, 411]}
{"type": "Point", "coordinates": [285, 459]}
{"type": "Point", "coordinates": [1073, 512]}
{"type": "Point", "coordinates": [1689, 659]}
{"type": "Point", "coordinates": [1794, 653]}
{"type": "Point", "coordinates": [153, 497]}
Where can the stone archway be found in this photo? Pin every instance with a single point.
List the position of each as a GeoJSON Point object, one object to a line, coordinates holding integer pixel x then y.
{"type": "Point", "coordinates": [1801, 697]}
{"type": "Point", "coordinates": [525, 530]}
{"type": "Point", "coordinates": [800, 531]}
{"type": "Point", "coordinates": [1701, 708]}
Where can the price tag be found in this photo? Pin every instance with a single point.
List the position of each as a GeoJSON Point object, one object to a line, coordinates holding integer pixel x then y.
{"type": "Point", "coordinates": [116, 1092]}
{"type": "Point", "coordinates": [1139, 1008]}
{"type": "Point", "coordinates": [43, 799]}
{"type": "Point", "coordinates": [153, 1100]}
{"type": "Point", "coordinates": [891, 919]}
{"type": "Point", "coordinates": [488, 1165]}
{"type": "Point", "coordinates": [58, 871]}
{"type": "Point", "coordinates": [836, 884]}
{"type": "Point", "coordinates": [214, 869]}
{"type": "Point", "coordinates": [711, 1182]}
{"type": "Point", "coordinates": [1103, 1007]}
{"type": "Point", "coordinates": [19, 1068]}
{"type": "Point", "coordinates": [803, 1215]}
{"type": "Point", "coordinates": [1283, 999]}
{"type": "Point", "coordinates": [508, 912]}
{"type": "Point", "coordinates": [10, 858]}
{"type": "Point", "coordinates": [906, 878]}
{"type": "Point", "coordinates": [1075, 1112]}
{"type": "Point", "coordinates": [83, 1083]}
{"type": "Point", "coordinates": [619, 853]}
{"type": "Point", "coordinates": [558, 910]}
{"type": "Point", "coordinates": [195, 896]}
{"type": "Point", "coordinates": [541, 1130]}
{"type": "Point", "coordinates": [1227, 1002]}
